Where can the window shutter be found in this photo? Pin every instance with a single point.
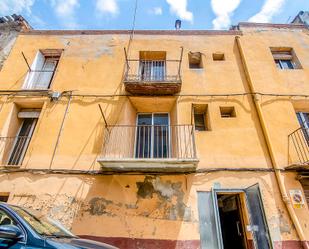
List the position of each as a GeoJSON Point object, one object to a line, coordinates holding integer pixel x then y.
{"type": "Point", "coordinates": [29, 113]}
{"type": "Point", "coordinates": [282, 55]}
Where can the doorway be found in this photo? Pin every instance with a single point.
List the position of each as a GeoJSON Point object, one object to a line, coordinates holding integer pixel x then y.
{"type": "Point", "coordinates": [233, 218]}
{"type": "Point", "coordinates": [231, 221]}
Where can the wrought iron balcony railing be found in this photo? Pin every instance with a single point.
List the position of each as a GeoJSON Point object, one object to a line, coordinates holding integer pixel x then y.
{"type": "Point", "coordinates": [153, 76]}
{"type": "Point", "coordinates": [153, 71]}
{"type": "Point", "coordinates": [299, 140]}
{"type": "Point", "coordinates": [145, 143]}
{"type": "Point", "coordinates": [13, 149]}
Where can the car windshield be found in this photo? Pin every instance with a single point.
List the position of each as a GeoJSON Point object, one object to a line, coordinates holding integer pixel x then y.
{"type": "Point", "coordinates": [42, 224]}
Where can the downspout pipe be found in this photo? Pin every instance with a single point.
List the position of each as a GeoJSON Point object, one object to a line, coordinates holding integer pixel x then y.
{"type": "Point", "coordinates": [270, 149]}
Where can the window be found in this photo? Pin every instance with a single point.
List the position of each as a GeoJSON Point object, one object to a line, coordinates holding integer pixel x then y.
{"type": "Point", "coordinates": [195, 60]}
{"type": "Point", "coordinates": [42, 69]}
{"type": "Point", "coordinates": [152, 65]}
{"type": "Point", "coordinates": [21, 141]}
{"type": "Point", "coordinates": [152, 136]}
{"type": "Point", "coordinates": [285, 58]}
{"type": "Point", "coordinates": [200, 115]}
{"type": "Point", "coordinates": [199, 122]}
{"type": "Point", "coordinates": [4, 197]}
{"type": "Point", "coordinates": [218, 56]}
{"type": "Point", "coordinates": [227, 112]}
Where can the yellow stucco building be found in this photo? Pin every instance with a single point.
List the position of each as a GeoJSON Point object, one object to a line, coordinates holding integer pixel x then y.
{"type": "Point", "coordinates": [161, 139]}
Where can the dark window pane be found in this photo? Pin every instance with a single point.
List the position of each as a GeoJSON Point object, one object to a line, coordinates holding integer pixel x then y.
{"type": "Point", "coordinates": [152, 70]}
{"type": "Point", "coordinates": [22, 141]}
{"type": "Point", "coordinates": [152, 136]}
{"type": "Point", "coordinates": [278, 64]}
{"type": "Point", "coordinates": [161, 136]}
{"type": "Point", "coordinates": [143, 136]}
{"type": "Point", "coordinates": [160, 119]}
{"type": "Point", "coordinates": [199, 121]}
{"type": "Point", "coordinates": [287, 64]}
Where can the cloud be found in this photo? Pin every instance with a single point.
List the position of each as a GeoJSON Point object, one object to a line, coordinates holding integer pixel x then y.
{"type": "Point", "coordinates": [107, 7]}
{"type": "Point", "coordinates": [8, 7]}
{"type": "Point", "coordinates": [179, 7]}
{"type": "Point", "coordinates": [65, 11]}
{"type": "Point", "coordinates": [156, 11]}
{"type": "Point", "coordinates": [269, 9]}
{"type": "Point", "coordinates": [223, 10]}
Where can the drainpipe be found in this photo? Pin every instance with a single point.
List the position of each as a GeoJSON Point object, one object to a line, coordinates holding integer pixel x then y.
{"type": "Point", "coordinates": [270, 149]}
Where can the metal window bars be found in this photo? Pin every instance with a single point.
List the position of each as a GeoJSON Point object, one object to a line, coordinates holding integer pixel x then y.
{"type": "Point", "coordinates": [13, 149]}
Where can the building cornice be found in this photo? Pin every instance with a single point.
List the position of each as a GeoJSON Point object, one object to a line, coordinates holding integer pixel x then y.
{"type": "Point", "coordinates": [136, 32]}
{"type": "Point", "coordinates": [271, 25]}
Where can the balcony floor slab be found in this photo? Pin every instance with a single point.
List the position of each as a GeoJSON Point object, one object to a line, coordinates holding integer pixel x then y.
{"type": "Point", "coordinates": [148, 165]}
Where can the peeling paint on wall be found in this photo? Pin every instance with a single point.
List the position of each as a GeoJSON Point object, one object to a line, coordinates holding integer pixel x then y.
{"type": "Point", "coordinates": [61, 207]}
{"type": "Point", "coordinates": [169, 195]}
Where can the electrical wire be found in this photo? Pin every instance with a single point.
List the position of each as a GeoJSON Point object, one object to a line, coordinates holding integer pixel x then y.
{"type": "Point", "coordinates": [133, 27]}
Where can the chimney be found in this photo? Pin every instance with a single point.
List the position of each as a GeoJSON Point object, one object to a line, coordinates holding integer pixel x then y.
{"type": "Point", "coordinates": [177, 24]}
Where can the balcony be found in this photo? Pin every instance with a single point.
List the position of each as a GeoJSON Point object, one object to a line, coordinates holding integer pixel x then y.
{"type": "Point", "coordinates": [299, 148]}
{"type": "Point", "coordinates": [146, 76]}
{"type": "Point", "coordinates": [13, 150]}
{"type": "Point", "coordinates": [149, 148]}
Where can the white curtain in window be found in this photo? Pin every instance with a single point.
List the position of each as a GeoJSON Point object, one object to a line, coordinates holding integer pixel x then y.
{"type": "Point", "coordinates": [33, 75]}
{"type": "Point", "coordinates": [45, 76]}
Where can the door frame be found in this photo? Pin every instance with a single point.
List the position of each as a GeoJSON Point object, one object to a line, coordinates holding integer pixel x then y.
{"type": "Point", "coordinates": [152, 134]}
{"type": "Point", "coordinates": [215, 192]}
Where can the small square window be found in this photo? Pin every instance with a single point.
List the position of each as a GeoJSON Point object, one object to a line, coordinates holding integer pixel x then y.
{"type": "Point", "coordinates": [200, 115]}
{"type": "Point", "coordinates": [218, 56]}
{"type": "Point", "coordinates": [227, 112]}
{"type": "Point", "coordinates": [195, 60]}
{"type": "Point", "coordinates": [285, 58]}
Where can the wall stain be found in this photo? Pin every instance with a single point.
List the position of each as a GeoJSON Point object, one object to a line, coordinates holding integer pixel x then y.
{"type": "Point", "coordinates": [155, 199]}
{"type": "Point", "coordinates": [169, 196]}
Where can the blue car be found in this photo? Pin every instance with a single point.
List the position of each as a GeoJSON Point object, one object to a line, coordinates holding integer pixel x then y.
{"type": "Point", "coordinates": [22, 229]}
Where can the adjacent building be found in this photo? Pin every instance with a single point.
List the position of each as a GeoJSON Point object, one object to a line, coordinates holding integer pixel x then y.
{"type": "Point", "coordinates": [183, 139]}
{"type": "Point", "coordinates": [10, 26]}
{"type": "Point", "coordinates": [302, 18]}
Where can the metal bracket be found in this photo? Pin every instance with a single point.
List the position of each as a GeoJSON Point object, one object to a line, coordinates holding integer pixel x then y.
{"type": "Point", "coordinates": [102, 113]}
{"type": "Point", "coordinates": [26, 61]}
